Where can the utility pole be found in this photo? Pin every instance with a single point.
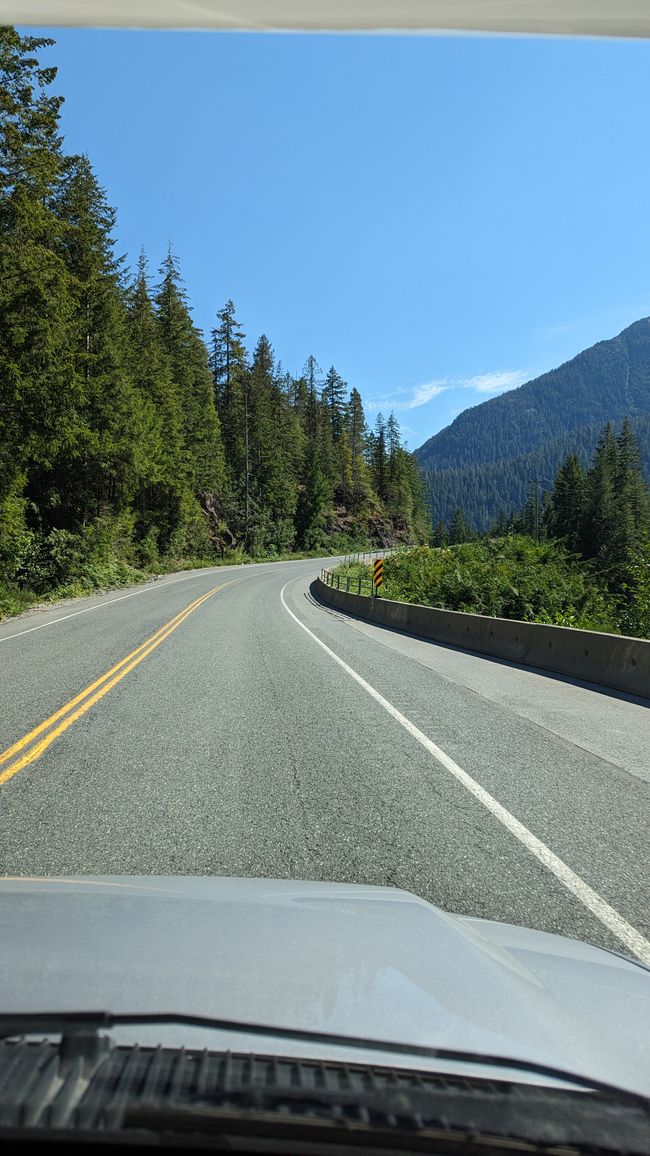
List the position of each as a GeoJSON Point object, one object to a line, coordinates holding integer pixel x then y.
{"type": "Point", "coordinates": [538, 486]}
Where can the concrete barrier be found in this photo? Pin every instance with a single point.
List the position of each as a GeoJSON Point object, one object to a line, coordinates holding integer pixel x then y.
{"type": "Point", "coordinates": [608, 659]}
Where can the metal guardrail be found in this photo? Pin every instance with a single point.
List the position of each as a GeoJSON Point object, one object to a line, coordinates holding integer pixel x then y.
{"type": "Point", "coordinates": [347, 582]}
{"type": "Point", "coordinates": [352, 585]}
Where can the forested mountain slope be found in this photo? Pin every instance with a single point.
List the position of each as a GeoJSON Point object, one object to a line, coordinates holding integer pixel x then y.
{"type": "Point", "coordinates": [484, 460]}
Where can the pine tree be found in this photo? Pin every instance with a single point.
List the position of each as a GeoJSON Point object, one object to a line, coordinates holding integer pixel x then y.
{"type": "Point", "coordinates": [311, 373]}
{"type": "Point", "coordinates": [273, 479]}
{"type": "Point", "coordinates": [227, 353]}
{"type": "Point", "coordinates": [399, 496]}
{"type": "Point", "coordinates": [378, 457]}
{"type": "Point", "coordinates": [334, 393]}
{"type": "Point", "coordinates": [204, 460]}
{"type": "Point", "coordinates": [313, 500]}
{"type": "Point", "coordinates": [358, 437]}
{"type": "Point", "coordinates": [159, 499]}
{"type": "Point", "coordinates": [600, 513]}
{"type": "Point", "coordinates": [99, 474]}
{"type": "Point", "coordinates": [204, 466]}
{"type": "Point", "coordinates": [38, 399]}
{"type": "Point", "coordinates": [459, 529]}
{"type": "Point", "coordinates": [568, 502]}
{"type": "Point", "coordinates": [630, 492]}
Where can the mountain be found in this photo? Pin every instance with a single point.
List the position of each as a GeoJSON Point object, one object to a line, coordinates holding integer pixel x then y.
{"type": "Point", "coordinates": [484, 460]}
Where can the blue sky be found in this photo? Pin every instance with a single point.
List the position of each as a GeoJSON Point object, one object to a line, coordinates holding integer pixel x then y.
{"type": "Point", "coordinates": [441, 218]}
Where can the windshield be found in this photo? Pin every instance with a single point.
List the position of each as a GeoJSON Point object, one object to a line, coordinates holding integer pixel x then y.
{"type": "Point", "coordinates": [325, 533]}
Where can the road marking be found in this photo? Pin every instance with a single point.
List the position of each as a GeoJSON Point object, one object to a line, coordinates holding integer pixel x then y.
{"type": "Point", "coordinates": [607, 915]}
{"type": "Point", "coordinates": [149, 589]}
{"type": "Point", "coordinates": [26, 739]}
{"type": "Point", "coordinates": [89, 609]}
{"type": "Point", "coordinates": [91, 695]}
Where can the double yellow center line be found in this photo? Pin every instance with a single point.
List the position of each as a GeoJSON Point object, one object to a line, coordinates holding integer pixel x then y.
{"type": "Point", "coordinates": [31, 746]}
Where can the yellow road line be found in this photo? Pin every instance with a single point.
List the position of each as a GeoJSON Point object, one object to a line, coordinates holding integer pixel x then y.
{"type": "Point", "coordinates": [87, 698]}
{"type": "Point", "coordinates": [26, 739]}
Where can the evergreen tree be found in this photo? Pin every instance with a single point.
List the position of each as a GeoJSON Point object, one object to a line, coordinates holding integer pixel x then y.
{"type": "Point", "coordinates": [311, 373]}
{"type": "Point", "coordinates": [313, 500]}
{"type": "Point", "coordinates": [231, 376]}
{"type": "Point", "coordinates": [273, 479]}
{"type": "Point", "coordinates": [188, 358]}
{"type": "Point", "coordinates": [600, 514]}
{"type": "Point", "coordinates": [159, 499]}
{"type": "Point", "coordinates": [358, 439]}
{"type": "Point", "coordinates": [378, 457]}
{"type": "Point", "coordinates": [568, 501]}
{"type": "Point", "coordinates": [334, 393]}
{"type": "Point", "coordinates": [630, 493]}
{"type": "Point", "coordinates": [227, 354]}
{"type": "Point", "coordinates": [99, 473]}
{"type": "Point", "coordinates": [38, 385]}
{"type": "Point", "coordinates": [459, 529]}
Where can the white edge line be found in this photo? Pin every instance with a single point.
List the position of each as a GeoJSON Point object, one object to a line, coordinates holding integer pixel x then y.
{"type": "Point", "coordinates": [607, 915]}
{"type": "Point", "coordinates": [75, 613]}
{"type": "Point", "coordinates": [148, 589]}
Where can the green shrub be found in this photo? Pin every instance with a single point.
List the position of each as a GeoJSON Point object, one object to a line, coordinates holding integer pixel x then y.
{"type": "Point", "coordinates": [513, 577]}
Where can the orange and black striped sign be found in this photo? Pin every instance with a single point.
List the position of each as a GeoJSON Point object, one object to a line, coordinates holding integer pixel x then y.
{"type": "Point", "coordinates": [378, 574]}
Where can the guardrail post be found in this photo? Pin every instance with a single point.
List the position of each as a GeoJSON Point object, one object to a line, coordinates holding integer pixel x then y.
{"type": "Point", "coordinates": [359, 586]}
{"type": "Point", "coordinates": [348, 586]}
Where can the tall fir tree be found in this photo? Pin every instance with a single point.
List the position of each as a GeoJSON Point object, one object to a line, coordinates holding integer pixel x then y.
{"type": "Point", "coordinates": [357, 432]}
{"type": "Point", "coordinates": [38, 385]}
{"type": "Point", "coordinates": [600, 514]}
{"type": "Point", "coordinates": [188, 358]}
{"type": "Point", "coordinates": [99, 474]}
{"type": "Point", "coordinates": [227, 353]}
{"type": "Point", "coordinates": [158, 503]}
{"type": "Point", "coordinates": [379, 456]}
{"type": "Point", "coordinates": [567, 503]}
{"type": "Point", "coordinates": [334, 394]}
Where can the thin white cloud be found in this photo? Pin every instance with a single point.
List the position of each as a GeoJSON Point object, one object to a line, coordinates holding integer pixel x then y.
{"type": "Point", "coordinates": [557, 331]}
{"type": "Point", "coordinates": [419, 396]}
{"type": "Point", "coordinates": [404, 399]}
{"type": "Point", "coordinates": [495, 382]}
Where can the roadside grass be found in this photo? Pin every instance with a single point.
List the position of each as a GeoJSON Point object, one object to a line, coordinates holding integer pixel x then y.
{"type": "Point", "coordinates": [115, 574]}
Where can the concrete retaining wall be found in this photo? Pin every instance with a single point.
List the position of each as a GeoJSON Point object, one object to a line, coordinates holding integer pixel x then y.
{"type": "Point", "coordinates": [609, 659]}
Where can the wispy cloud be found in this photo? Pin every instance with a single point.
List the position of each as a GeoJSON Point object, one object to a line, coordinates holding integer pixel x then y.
{"type": "Point", "coordinates": [405, 399]}
{"type": "Point", "coordinates": [495, 382]}
{"type": "Point", "coordinates": [420, 395]}
{"type": "Point", "coordinates": [557, 331]}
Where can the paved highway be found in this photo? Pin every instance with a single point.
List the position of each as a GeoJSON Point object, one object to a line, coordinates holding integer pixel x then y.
{"type": "Point", "coordinates": [223, 722]}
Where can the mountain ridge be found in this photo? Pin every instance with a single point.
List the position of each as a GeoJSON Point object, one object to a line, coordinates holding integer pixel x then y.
{"type": "Point", "coordinates": [484, 460]}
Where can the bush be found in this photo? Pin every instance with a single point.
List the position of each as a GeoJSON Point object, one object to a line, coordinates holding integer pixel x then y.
{"type": "Point", "coordinates": [15, 539]}
{"type": "Point", "coordinates": [511, 577]}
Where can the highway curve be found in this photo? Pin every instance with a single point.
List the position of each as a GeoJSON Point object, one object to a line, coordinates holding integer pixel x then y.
{"type": "Point", "coordinates": [223, 722]}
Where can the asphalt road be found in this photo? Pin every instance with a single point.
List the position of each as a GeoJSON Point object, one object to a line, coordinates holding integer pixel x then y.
{"type": "Point", "coordinates": [232, 743]}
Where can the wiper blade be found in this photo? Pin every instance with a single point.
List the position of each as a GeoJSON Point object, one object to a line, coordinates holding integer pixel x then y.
{"type": "Point", "coordinates": [90, 1023]}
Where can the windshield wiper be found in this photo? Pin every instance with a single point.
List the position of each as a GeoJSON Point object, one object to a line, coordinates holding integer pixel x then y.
{"type": "Point", "coordinates": [86, 1025]}
{"type": "Point", "coordinates": [82, 1083]}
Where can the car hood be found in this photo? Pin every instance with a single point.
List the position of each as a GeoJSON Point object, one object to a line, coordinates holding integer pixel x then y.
{"type": "Point", "coordinates": [353, 960]}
